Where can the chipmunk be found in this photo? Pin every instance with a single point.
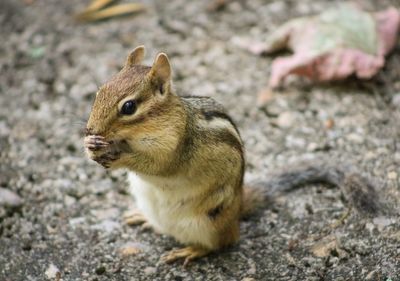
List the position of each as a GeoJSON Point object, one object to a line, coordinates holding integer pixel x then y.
{"type": "Point", "coordinates": [185, 159]}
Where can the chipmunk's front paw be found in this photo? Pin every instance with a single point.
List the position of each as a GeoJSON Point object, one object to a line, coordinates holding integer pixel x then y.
{"type": "Point", "coordinates": [95, 143]}
{"type": "Point", "coordinates": [135, 217]}
{"type": "Point", "coordinates": [101, 151]}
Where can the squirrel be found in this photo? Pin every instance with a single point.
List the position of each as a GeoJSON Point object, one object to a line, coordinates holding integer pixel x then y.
{"type": "Point", "coordinates": [185, 160]}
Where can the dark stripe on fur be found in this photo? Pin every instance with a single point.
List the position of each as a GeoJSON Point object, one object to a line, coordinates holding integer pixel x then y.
{"type": "Point", "coordinates": [226, 136]}
{"type": "Point", "coordinates": [210, 115]}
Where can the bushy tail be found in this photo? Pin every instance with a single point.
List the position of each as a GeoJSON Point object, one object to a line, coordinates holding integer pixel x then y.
{"type": "Point", "coordinates": [359, 190]}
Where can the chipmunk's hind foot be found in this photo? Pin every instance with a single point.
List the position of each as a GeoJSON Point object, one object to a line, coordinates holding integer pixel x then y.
{"type": "Point", "coordinates": [188, 254]}
{"type": "Point", "coordinates": [134, 217]}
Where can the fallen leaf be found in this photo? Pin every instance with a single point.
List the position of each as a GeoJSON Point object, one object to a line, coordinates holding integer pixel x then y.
{"type": "Point", "coordinates": [130, 250]}
{"type": "Point", "coordinates": [112, 11]}
{"type": "Point", "coordinates": [332, 45]}
{"type": "Point", "coordinates": [97, 5]}
{"type": "Point", "coordinates": [325, 247]}
{"type": "Point", "coordinates": [265, 96]}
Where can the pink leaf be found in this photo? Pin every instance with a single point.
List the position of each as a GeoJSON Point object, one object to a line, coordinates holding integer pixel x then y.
{"type": "Point", "coordinates": [334, 45]}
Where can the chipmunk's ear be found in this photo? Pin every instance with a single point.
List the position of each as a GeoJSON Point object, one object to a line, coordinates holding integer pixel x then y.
{"type": "Point", "coordinates": [136, 56]}
{"type": "Point", "coordinates": [161, 69]}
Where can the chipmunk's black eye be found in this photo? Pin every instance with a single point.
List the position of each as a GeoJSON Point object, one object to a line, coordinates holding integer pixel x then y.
{"type": "Point", "coordinates": [128, 108]}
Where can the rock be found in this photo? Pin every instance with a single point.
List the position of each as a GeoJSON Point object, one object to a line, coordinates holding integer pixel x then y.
{"type": "Point", "coordinates": [369, 226]}
{"type": "Point", "coordinates": [69, 200]}
{"type": "Point", "coordinates": [9, 199]}
{"type": "Point", "coordinates": [312, 146]}
{"type": "Point", "coordinates": [253, 268]}
{"type": "Point", "coordinates": [74, 222]}
{"type": "Point", "coordinates": [106, 226]}
{"type": "Point", "coordinates": [150, 270]}
{"type": "Point", "coordinates": [103, 186]}
{"type": "Point", "coordinates": [325, 247]}
{"type": "Point", "coordinates": [355, 138]}
{"type": "Point", "coordinates": [371, 275]}
{"type": "Point", "coordinates": [292, 141]}
{"type": "Point", "coordinates": [3, 212]}
{"type": "Point", "coordinates": [132, 248]}
{"type": "Point", "coordinates": [129, 251]}
{"type": "Point", "coordinates": [396, 100]}
{"type": "Point", "coordinates": [382, 222]}
{"type": "Point", "coordinates": [52, 272]}
{"type": "Point", "coordinates": [395, 236]}
{"type": "Point", "coordinates": [392, 175]}
{"type": "Point", "coordinates": [100, 270]}
{"type": "Point", "coordinates": [286, 119]}
{"type": "Point", "coordinates": [329, 124]}
{"type": "Point", "coordinates": [110, 213]}
{"type": "Point", "coordinates": [361, 248]}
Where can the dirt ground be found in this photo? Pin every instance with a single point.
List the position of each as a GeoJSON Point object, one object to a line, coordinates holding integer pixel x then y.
{"type": "Point", "coordinates": [68, 225]}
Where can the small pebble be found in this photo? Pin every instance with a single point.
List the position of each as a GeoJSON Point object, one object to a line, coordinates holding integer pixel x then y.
{"type": "Point", "coordinates": [382, 222]}
{"type": "Point", "coordinates": [52, 272]}
{"type": "Point", "coordinates": [100, 270]}
{"type": "Point", "coordinates": [329, 124]}
{"type": "Point", "coordinates": [392, 175]}
{"type": "Point", "coordinates": [312, 146]}
{"type": "Point", "coordinates": [396, 100]}
{"type": "Point", "coordinates": [150, 270]}
{"type": "Point", "coordinates": [286, 119]}
{"type": "Point", "coordinates": [9, 199]}
{"type": "Point", "coordinates": [103, 214]}
{"type": "Point", "coordinates": [106, 226]}
{"type": "Point", "coordinates": [253, 268]}
{"type": "Point", "coordinates": [129, 251]}
{"type": "Point", "coordinates": [325, 247]}
{"type": "Point", "coordinates": [371, 275]}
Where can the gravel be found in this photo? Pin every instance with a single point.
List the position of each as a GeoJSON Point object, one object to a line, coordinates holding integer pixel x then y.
{"type": "Point", "coordinates": [60, 214]}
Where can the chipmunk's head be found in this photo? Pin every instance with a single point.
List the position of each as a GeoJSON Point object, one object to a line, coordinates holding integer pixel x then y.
{"type": "Point", "coordinates": [134, 106]}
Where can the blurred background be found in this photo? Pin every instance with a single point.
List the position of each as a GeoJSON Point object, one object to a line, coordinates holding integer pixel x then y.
{"type": "Point", "coordinates": [60, 218]}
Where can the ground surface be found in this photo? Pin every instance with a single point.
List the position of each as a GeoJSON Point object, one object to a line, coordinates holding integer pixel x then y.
{"type": "Point", "coordinates": [69, 225]}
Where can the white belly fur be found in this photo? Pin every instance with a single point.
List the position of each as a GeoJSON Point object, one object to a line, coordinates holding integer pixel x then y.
{"type": "Point", "coordinates": [160, 200]}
